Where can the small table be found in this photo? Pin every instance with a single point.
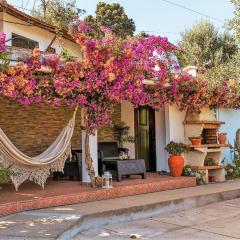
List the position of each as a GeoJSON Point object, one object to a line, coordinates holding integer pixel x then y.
{"type": "Point", "coordinates": [126, 167]}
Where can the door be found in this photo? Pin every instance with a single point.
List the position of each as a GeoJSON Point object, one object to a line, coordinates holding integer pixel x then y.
{"type": "Point", "coordinates": [145, 136]}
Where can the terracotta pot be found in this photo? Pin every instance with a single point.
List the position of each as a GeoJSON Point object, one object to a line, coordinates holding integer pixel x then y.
{"type": "Point", "coordinates": [176, 164]}
{"type": "Point", "coordinates": [222, 139]}
{"type": "Point", "coordinates": [196, 141]}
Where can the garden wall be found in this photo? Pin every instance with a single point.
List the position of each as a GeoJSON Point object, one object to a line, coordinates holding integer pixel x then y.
{"type": "Point", "coordinates": [33, 128]}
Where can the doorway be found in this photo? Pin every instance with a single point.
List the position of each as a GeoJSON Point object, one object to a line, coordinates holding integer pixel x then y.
{"type": "Point", "coordinates": [145, 136]}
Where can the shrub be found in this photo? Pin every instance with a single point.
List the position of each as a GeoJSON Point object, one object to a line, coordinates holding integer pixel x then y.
{"type": "Point", "coordinates": [176, 149]}
{"type": "Point", "coordinates": [4, 174]}
{"type": "Point", "coordinates": [232, 170]}
{"type": "Point", "coordinates": [188, 172]}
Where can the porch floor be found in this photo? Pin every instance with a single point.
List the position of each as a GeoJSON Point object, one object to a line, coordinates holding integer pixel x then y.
{"type": "Point", "coordinates": [64, 192]}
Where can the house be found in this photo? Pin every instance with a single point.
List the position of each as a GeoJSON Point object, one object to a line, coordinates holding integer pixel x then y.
{"type": "Point", "coordinates": [24, 33]}
{"type": "Point", "coordinates": [33, 128]}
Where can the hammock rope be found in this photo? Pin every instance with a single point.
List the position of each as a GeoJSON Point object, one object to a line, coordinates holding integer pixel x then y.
{"type": "Point", "coordinates": [38, 168]}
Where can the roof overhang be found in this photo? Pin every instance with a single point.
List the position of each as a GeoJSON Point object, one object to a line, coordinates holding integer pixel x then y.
{"type": "Point", "coordinates": [32, 21]}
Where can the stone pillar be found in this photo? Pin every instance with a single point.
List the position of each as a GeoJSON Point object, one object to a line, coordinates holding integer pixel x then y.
{"type": "Point", "coordinates": [94, 155]}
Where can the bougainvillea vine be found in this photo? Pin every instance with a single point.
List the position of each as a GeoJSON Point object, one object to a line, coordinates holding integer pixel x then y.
{"type": "Point", "coordinates": [110, 71]}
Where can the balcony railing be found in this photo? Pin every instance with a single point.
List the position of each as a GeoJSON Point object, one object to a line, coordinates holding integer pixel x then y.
{"type": "Point", "coordinates": [18, 54]}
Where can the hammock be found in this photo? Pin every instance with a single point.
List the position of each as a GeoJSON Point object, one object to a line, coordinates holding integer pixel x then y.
{"type": "Point", "coordinates": [38, 168]}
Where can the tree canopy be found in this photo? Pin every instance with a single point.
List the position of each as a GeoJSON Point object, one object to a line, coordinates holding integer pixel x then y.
{"type": "Point", "coordinates": [234, 22]}
{"type": "Point", "coordinates": [61, 14]}
{"type": "Point", "coordinates": [205, 47]}
{"type": "Point", "coordinates": [111, 16]}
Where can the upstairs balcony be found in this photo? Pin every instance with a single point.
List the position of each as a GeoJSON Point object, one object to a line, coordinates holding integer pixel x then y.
{"type": "Point", "coordinates": [18, 54]}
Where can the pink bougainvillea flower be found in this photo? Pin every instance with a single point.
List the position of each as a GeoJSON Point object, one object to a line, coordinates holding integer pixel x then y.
{"type": "Point", "coordinates": [3, 47]}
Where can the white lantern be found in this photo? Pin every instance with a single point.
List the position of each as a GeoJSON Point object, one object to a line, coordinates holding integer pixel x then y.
{"type": "Point", "coordinates": [107, 180]}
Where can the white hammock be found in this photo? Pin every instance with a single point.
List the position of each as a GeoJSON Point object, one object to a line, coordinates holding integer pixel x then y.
{"type": "Point", "coordinates": [36, 169]}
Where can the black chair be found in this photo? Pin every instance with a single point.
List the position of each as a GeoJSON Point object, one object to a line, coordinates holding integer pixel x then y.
{"type": "Point", "coordinates": [107, 151]}
{"type": "Point", "coordinates": [72, 169]}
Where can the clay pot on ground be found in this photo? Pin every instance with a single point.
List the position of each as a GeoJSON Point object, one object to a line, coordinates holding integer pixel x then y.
{"type": "Point", "coordinates": [176, 164]}
{"type": "Point", "coordinates": [222, 138]}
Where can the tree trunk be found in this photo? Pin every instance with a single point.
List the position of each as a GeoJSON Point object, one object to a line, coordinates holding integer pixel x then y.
{"type": "Point", "coordinates": [88, 159]}
{"type": "Point", "coordinates": [95, 180]}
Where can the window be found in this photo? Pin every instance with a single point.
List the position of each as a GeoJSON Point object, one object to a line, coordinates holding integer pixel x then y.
{"type": "Point", "coordinates": [22, 42]}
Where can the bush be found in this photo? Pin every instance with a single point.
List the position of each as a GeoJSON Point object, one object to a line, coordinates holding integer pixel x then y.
{"type": "Point", "coordinates": [4, 174]}
{"type": "Point", "coordinates": [188, 172]}
{"type": "Point", "coordinates": [176, 149]}
{"type": "Point", "coordinates": [232, 170]}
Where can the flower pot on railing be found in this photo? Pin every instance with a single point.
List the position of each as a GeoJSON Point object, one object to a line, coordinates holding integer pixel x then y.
{"type": "Point", "coordinates": [222, 138]}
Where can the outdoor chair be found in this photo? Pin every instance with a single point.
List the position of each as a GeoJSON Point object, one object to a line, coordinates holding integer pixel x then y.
{"type": "Point", "coordinates": [107, 151]}
{"type": "Point", "coordinates": [72, 169]}
{"type": "Point", "coordinates": [109, 160]}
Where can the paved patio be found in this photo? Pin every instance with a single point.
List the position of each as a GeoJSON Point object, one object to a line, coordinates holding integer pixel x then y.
{"type": "Point", "coordinates": [57, 193]}
{"type": "Point", "coordinates": [218, 221]}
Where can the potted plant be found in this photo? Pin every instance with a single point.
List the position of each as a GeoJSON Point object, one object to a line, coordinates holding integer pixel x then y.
{"type": "Point", "coordinates": [195, 140]}
{"type": "Point", "coordinates": [175, 161]}
{"type": "Point", "coordinates": [123, 136]}
{"type": "Point", "coordinates": [222, 138]}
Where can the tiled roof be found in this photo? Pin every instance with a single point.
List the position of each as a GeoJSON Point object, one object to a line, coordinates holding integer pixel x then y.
{"type": "Point", "coordinates": [5, 7]}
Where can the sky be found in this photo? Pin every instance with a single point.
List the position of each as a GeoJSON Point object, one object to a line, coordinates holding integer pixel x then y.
{"type": "Point", "coordinates": [161, 18]}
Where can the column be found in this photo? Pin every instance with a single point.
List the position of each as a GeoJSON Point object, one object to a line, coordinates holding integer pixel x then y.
{"type": "Point", "coordinates": [94, 155]}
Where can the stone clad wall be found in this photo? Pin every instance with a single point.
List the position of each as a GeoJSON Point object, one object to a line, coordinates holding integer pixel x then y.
{"type": "Point", "coordinates": [33, 128]}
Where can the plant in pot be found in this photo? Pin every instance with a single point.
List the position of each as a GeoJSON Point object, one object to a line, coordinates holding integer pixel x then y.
{"type": "Point", "coordinates": [123, 136]}
{"type": "Point", "coordinates": [4, 175]}
{"type": "Point", "coordinates": [176, 161]}
{"type": "Point", "coordinates": [222, 138]}
{"type": "Point", "coordinates": [195, 140]}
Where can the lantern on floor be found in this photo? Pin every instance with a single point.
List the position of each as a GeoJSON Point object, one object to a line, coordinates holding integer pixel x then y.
{"type": "Point", "coordinates": [107, 180]}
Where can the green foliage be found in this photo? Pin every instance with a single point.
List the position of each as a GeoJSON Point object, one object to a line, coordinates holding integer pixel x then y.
{"type": "Point", "coordinates": [4, 174]}
{"type": "Point", "coordinates": [142, 34]}
{"type": "Point", "coordinates": [61, 14]}
{"type": "Point", "coordinates": [233, 169]}
{"type": "Point", "coordinates": [209, 162]}
{"type": "Point", "coordinates": [228, 71]}
{"type": "Point", "coordinates": [112, 16]}
{"type": "Point", "coordinates": [176, 149]}
{"type": "Point", "coordinates": [188, 172]}
{"type": "Point", "coordinates": [233, 23]}
{"type": "Point", "coordinates": [195, 137]}
{"type": "Point", "coordinates": [4, 60]}
{"type": "Point", "coordinates": [123, 131]}
{"type": "Point", "coordinates": [203, 46]}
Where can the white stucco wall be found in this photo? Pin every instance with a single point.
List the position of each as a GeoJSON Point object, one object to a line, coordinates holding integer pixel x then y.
{"type": "Point", "coordinates": [174, 130]}
{"type": "Point", "coordinates": [43, 37]}
{"type": "Point", "coordinates": [127, 115]}
{"type": "Point", "coordinates": [232, 123]}
{"type": "Point", "coordinates": [174, 124]}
